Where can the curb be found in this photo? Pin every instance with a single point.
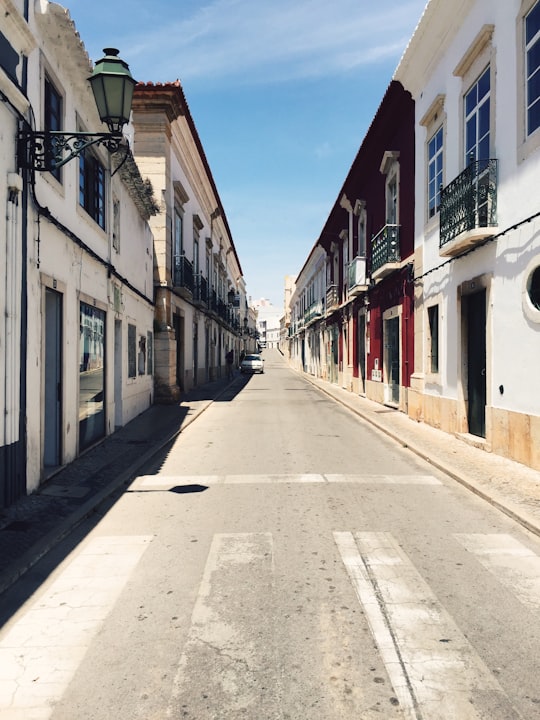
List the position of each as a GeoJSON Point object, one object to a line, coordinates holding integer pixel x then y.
{"type": "Point", "coordinates": [503, 505]}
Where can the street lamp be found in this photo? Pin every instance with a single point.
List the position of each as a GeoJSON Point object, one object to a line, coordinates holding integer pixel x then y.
{"type": "Point", "coordinates": [112, 86]}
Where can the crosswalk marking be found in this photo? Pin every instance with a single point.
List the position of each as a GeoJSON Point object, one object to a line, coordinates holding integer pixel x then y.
{"type": "Point", "coordinates": [41, 652]}
{"type": "Point", "coordinates": [224, 623]}
{"type": "Point", "coordinates": [169, 481]}
{"type": "Point", "coordinates": [513, 564]}
{"type": "Point", "coordinates": [433, 668]}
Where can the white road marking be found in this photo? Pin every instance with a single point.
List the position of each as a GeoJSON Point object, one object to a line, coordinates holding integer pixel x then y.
{"type": "Point", "coordinates": [41, 652]}
{"type": "Point", "coordinates": [384, 479]}
{"type": "Point", "coordinates": [513, 564]}
{"type": "Point", "coordinates": [224, 620]}
{"type": "Point", "coordinates": [433, 668]}
{"type": "Point", "coordinates": [170, 481]}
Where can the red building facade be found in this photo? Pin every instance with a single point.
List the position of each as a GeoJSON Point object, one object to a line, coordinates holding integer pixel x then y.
{"type": "Point", "coordinates": [360, 332]}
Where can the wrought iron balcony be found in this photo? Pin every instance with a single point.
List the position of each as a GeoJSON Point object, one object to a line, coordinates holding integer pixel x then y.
{"type": "Point", "coordinates": [221, 310]}
{"type": "Point", "coordinates": [385, 253]}
{"type": "Point", "coordinates": [200, 292]}
{"type": "Point", "coordinates": [183, 273]}
{"type": "Point", "coordinates": [314, 312]}
{"type": "Point", "coordinates": [468, 211]}
{"type": "Point", "coordinates": [332, 298]}
{"type": "Point", "coordinates": [358, 282]}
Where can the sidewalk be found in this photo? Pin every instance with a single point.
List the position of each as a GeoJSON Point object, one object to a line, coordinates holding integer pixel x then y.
{"type": "Point", "coordinates": [35, 524]}
{"type": "Point", "coordinates": [509, 486]}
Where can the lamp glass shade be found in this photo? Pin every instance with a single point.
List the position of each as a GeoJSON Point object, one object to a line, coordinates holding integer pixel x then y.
{"type": "Point", "coordinates": [112, 85]}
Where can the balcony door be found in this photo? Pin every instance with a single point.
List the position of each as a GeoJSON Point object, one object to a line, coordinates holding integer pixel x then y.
{"type": "Point", "coordinates": [477, 119]}
{"type": "Point", "coordinates": [477, 146]}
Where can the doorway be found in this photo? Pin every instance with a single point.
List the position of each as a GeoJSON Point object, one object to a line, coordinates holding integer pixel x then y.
{"type": "Point", "coordinates": [334, 353]}
{"type": "Point", "coordinates": [392, 359]}
{"type": "Point", "coordinates": [52, 451]}
{"type": "Point", "coordinates": [195, 353]}
{"type": "Point", "coordinates": [118, 374]}
{"type": "Point", "coordinates": [475, 318]}
{"type": "Point", "coordinates": [362, 352]}
{"type": "Point", "coordinates": [178, 324]}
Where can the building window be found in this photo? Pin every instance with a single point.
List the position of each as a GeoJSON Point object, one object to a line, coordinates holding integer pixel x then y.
{"type": "Point", "coordinates": [435, 172]}
{"type": "Point", "coordinates": [392, 201]}
{"type": "Point", "coordinates": [196, 268]}
{"type": "Point", "coordinates": [390, 168]}
{"type": "Point", "coordinates": [532, 64]}
{"type": "Point", "coordinates": [477, 119]}
{"type": "Point", "coordinates": [433, 322]}
{"type": "Point", "coordinates": [52, 119]}
{"type": "Point", "coordinates": [362, 234]}
{"type": "Point", "coordinates": [533, 288]}
{"type": "Point", "coordinates": [178, 246]}
{"type": "Point", "coordinates": [132, 351]}
{"type": "Point", "coordinates": [92, 187]}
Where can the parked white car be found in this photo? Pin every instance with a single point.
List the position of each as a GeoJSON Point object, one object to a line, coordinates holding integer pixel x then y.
{"type": "Point", "coordinates": [252, 364]}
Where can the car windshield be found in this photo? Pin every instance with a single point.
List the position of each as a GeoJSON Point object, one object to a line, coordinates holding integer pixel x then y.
{"type": "Point", "coordinates": [252, 357]}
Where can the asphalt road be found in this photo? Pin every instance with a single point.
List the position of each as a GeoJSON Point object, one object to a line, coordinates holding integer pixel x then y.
{"type": "Point", "coordinates": [281, 560]}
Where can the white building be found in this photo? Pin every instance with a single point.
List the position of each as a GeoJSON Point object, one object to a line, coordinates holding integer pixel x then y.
{"type": "Point", "coordinates": [268, 323]}
{"type": "Point", "coordinates": [77, 299]}
{"type": "Point", "coordinates": [308, 340]}
{"type": "Point", "coordinates": [201, 307]}
{"type": "Point", "coordinates": [472, 68]}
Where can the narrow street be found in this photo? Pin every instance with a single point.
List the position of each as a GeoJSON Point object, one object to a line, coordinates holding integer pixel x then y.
{"type": "Point", "coordinates": [282, 560]}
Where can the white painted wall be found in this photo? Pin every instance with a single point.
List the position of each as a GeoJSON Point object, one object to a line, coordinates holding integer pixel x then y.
{"type": "Point", "coordinates": [56, 259]}
{"type": "Point", "coordinates": [514, 328]}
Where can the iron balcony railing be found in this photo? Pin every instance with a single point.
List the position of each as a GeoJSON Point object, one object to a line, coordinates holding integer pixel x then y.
{"type": "Point", "coordinates": [357, 274]}
{"type": "Point", "coordinates": [332, 298]}
{"type": "Point", "coordinates": [313, 312]}
{"type": "Point", "coordinates": [385, 247]}
{"type": "Point", "coordinates": [469, 201]}
{"type": "Point", "coordinates": [221, 310]}
{"type": "Point", "coordinates": [200, 293]}
{"type": "Point", "coordinates": [183, 273]}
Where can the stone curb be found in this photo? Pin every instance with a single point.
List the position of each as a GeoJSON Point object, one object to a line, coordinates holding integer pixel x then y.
{"type": "Point", "coordinates": [500, 503]}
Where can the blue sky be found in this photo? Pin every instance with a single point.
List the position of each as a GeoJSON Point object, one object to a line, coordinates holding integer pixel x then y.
{"type": "Point", "coordinates": [282, 93]}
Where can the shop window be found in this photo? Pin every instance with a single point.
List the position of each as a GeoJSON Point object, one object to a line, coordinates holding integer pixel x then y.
{"type": "Point", "coordinates": [91, 375]}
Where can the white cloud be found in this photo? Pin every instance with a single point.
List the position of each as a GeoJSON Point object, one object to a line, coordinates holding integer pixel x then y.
{"type": "Point", "coordinates": [274, 39]}
{"type": "Point", "coordinates": [323, 150]}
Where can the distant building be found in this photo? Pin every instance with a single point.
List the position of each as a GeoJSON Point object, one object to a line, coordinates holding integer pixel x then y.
{"type": "Point", "coordinates": [285, 322]}
{"type": "Point", "coordinates": [268, 323]}
{"type": "Point", "coordinates": [201, 308]}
